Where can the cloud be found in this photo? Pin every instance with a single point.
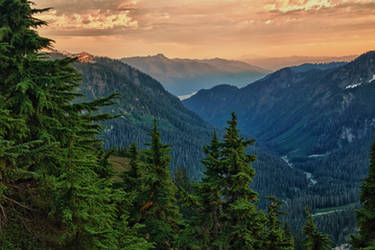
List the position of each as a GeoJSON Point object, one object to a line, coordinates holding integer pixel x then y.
{"type": "Point", "coordinates": [212, 27]}
{"type": "Point", "coordinates": [83, 17]}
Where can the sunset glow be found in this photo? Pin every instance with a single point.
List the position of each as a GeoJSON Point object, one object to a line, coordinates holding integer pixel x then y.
{"type": "Point", "coordinates": [211, 28]}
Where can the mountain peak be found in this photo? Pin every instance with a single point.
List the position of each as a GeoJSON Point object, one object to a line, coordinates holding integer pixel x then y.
{"type": "Point", "coordinates": [84, 57]}
{"type": "Point", "coordinates": [160, 56]}
{"type": "Point", "coordinates": [368, 56]}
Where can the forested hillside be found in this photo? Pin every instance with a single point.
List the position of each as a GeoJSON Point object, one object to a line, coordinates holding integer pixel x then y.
{"type": "Point", "coordinates": [143, 99]}
{"type": "Point", "coordinates": [70, 178]}
{"type": "Point", "coordinates": [320, 121]}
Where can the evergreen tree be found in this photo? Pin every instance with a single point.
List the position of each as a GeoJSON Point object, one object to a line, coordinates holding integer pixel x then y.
{"type": "Point", "coordinates": [314, 240]}
{"type": "Point", "coordinates": [132, 185]}
{"type": "Point", "coordinates": [210, 192]}
{"type": "Point", "coordinates": [160, 213]}
{"type": "Point", "coordinates": [243, 226]}
{"type": "Point", "coordinates": [59, 193]}
{"type": "Point", "coordinates": [204, 225]}
{"type": "Point", "coordinates": [184, 192]}
{"type": "Point", "coordinates": [276, 235]}
{"type": "Point", "coordinates": [366, 215]}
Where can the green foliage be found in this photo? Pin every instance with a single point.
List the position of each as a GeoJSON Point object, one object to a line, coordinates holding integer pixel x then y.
{"type": "Point", "coordinates": [56, 188]}
{"type": "Point", "coordinates": [243, 223]}
{"type": "Point", "coordinates": [277, 236]}
{"type": "Point", "coordinates": [225, 215]}
{"type": "Point", "coordinates": [366, 215]}
{"type": "Point", "coordinates": [314, 240]}
{"type": "Point", "coordinates": [160, 213]}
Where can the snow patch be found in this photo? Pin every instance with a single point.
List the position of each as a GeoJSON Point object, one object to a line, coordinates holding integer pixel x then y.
{"type": "Point", "coordinates": [310, 177]}
{"type": "Point", "coordinates": [347, 134]}
{"type": "Point", "coordinates": [318, 155]}
{"type": "Point", "coordinates": [285, 158]}
{"type": "Point", "coordinates": [372, 79]}
{"type": "Point", "coordinates": [354, 85]}
{"type": "Point", "coordinates": [184, 97]}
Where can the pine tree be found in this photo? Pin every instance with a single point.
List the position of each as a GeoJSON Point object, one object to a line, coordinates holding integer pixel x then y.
{"type": "Point", "coordinates": [276, 235]}
{"type": "Point", "coordinates": [314, 240]}
{"type": "Point", "coordinates": [58, 194]}
{"type": "Point", "coordinates": [210, 192]}
{"type": "Point", "coordinates": [204, 225]}
{"type": "Point", "coordinates": [243, 223]}
{"type": "Point", "coordinates": [132, 185]}
{"type": "Point", "coordinates": [366, 215]}
{"type": "Point", "coordinates": [160, 213]}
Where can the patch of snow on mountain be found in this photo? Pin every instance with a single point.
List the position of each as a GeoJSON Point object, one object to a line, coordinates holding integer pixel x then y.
{"type": "Point", "coordinates": [372, 79]}
{"type": "Point", "coordinates": [318, 155]}
{"type": "Point", "coordinates": [286, 160]}
{"type": "Point", "coordinates": [353, 86]}
{"type": "Point", "coordinates": [184, 97]}
{"type": "Point", "coordinates": [310, 177]}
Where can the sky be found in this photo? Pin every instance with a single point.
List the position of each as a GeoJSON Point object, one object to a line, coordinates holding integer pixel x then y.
{"type": "Point", "coordinates": [211, 28]}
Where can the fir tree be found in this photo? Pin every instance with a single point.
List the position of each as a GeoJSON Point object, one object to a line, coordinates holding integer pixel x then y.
{"type": "Point", "coordinates": [366, 215]}
{"type": "Point", "coordinates": [160, 213]}
{"type": "Point", "coordinates": [210, 192]}
{"type": "Point", "coordinates": [243, 223]}
{"type": "Point", "coordinates": [314, 240]}
{"type": "Point", "coordinates": [58, 195]}
{"type": "Point", "coordinates": [204, 225]}
{"type": "Point", "coordinates": [276, 235]}
{"type": "Point", "coordinates": [132, 185]}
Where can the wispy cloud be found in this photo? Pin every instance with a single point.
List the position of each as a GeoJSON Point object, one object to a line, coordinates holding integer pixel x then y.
{"type": "Point", "coordinates": [203, 28]}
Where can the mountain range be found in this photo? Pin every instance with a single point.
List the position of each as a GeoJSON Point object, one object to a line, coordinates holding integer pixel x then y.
{"type": "Point", "coordinates": [287, 108]}
{"type": "Point", "coordinates": [313, 124]}
{"type": "Point", "coordinates": [185, 76]}
{"type": "Point", "coordinates": [276, 63]}
{"type": "Point", "coordinates": [143, 99]}
{"type": "Point", "coordinates": [320, 120]}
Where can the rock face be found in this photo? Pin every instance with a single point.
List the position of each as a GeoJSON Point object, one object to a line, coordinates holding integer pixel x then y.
{"type": "Point", "coordinates": [84, 57]}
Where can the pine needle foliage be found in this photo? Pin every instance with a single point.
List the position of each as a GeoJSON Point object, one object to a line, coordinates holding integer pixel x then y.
{"type": "Point", "coordinates": [366, 215]}
{"type": "Point", "coordinates": [243, 223]}
{"type": "Point", "coordinates": [160, 213]}
{"type": "Point", "coordinates": [314, 240]}
{"type": "Point", "coordinates": [55, 192]}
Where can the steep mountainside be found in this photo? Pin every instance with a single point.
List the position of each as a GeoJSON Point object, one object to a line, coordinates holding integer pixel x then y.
{"type": "Point", "coordinates": [185, 76]}
{"type": "Point", "coordinates": [320, 120]}
{"type": "Point", "coordinates": [143, 99]}
{"type": "Point", "coordinates": [317, 110]}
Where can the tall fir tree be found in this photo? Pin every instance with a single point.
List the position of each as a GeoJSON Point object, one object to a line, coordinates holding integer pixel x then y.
{"type": "Point", "coordinates": [204, 225]}
{"type": "Point", "coordinates": [210, 193]}
{"type": "Point", "coordinates": [160, 213]}
{"type": "Point", "coordinates": [244, 224]}
{"type": "Point", "coordinates": [277, 237]}
{"type": "Point", "coordinates": [314, 240]}
{"type": "Point", "coordinates": [60, 194]}
{"type": "Point", "coordinates": [366, 215]}
{"type": "Point", "coordinates": [132, 185]}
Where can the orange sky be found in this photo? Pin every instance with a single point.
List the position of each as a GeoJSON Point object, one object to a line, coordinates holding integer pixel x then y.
{"type": "Point", "coordinates": [211, 28]}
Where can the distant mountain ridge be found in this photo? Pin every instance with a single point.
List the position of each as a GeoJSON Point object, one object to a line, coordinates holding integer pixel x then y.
{"type": "Point", "coordinates": [276, 63]}
{"type": "Point", "coordinates": [289, 95]}
{"type": "Point", "coordinates": [321, 121]}
{"type": "Point", "coordinates": [185, 76]}
{"type": "Point", "coordinates": [143, 99]}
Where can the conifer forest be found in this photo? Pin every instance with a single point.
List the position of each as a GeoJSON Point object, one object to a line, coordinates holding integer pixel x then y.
{"type": "Point", "coordinates": [117, 165]}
